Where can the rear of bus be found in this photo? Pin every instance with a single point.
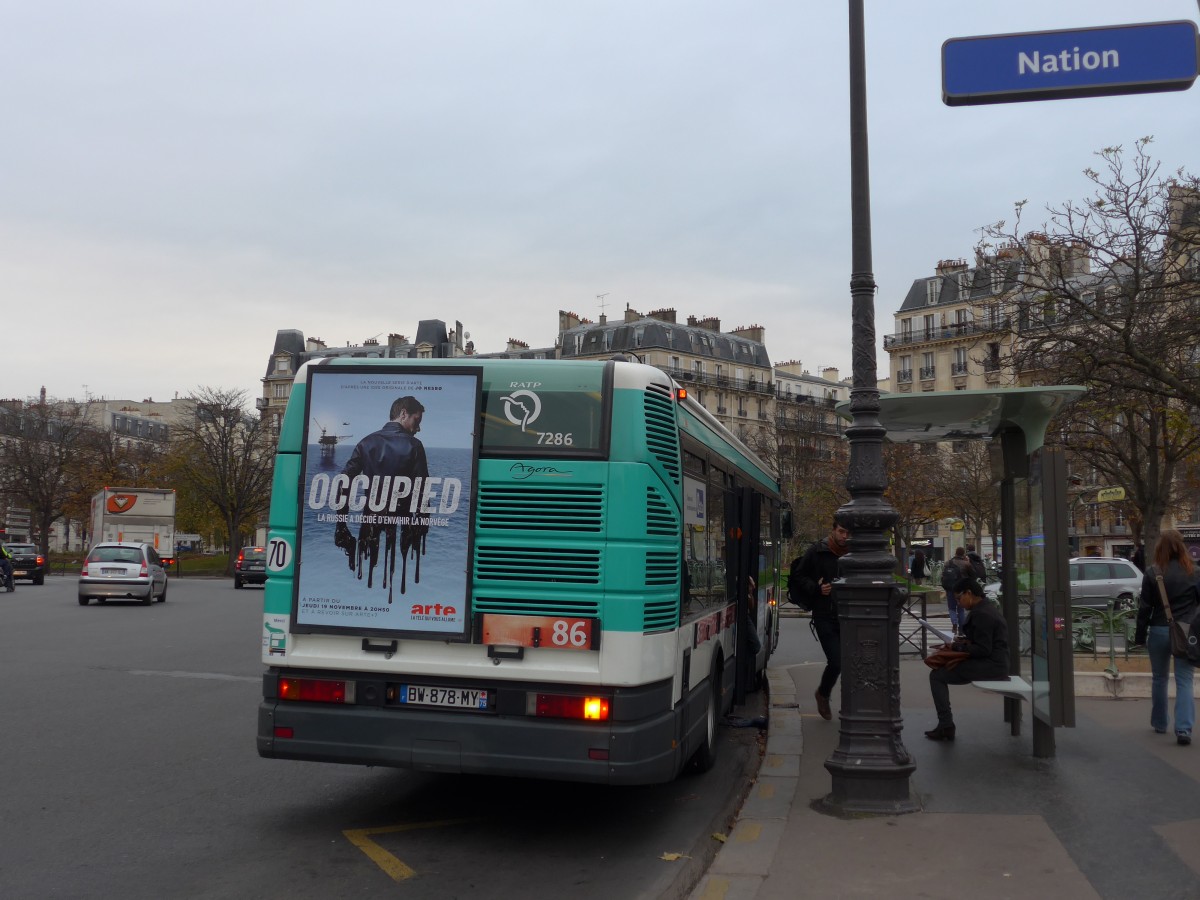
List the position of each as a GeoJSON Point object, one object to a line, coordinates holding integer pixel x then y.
{"type": "Point", "coordinates": [511, 606]}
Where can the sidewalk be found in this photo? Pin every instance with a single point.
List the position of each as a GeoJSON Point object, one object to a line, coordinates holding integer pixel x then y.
{"type": "Point", "coordinates": [1115, 815]}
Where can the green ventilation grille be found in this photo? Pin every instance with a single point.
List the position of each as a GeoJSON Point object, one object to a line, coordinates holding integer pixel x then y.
{"type": "Point", "coordinates": [571, 508]}
{"type": "Point", "coordinates": [574, 605]}
{"type": "Point", "coordinates": [537, 565]}
{"type": "Point", "coordinates": [662, 568]}
{"type": "Point", "coordinates": [662, 434]}
{"type": "Point", "coordinates": [660, 515]}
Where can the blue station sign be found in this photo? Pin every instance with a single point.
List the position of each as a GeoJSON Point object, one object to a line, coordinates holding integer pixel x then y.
{"type": "Point", "coordinates": [1086, 62]}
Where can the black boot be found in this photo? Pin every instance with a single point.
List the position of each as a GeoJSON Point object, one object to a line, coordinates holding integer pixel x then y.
{"type": "Point", "coordinates": [941, 733]}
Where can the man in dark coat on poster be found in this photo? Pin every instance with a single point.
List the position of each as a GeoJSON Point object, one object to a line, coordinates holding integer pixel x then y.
{"type": "Point", "coordinates": [393, 450]}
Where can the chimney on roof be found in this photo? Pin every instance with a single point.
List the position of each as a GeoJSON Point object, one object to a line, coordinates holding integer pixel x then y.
{"type": "Point", "coordinates": [946, 266]}
{"type": "Point", "coordinates": [830, 374]}
{"type": "Point", "coordinates": [712, 323]}
{"type": "Point", "coordinates": [663, 315]}
{"type": "Point", "coordinates": [750, 332]}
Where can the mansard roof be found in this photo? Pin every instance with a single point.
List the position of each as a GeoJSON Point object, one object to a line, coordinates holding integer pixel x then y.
{"type": "Point", "coordinates": [653, 334]}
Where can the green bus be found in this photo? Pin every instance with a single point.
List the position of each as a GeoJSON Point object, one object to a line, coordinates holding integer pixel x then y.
{"type": "Point", "coordinates": [559, 569]}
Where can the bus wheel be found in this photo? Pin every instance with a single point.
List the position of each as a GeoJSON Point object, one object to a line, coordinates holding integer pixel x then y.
{"type": "Point", "coordinates": [706, 754]}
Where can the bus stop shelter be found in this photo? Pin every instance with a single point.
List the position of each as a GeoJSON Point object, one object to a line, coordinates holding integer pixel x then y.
{"type": "Point", "coordinates": [1032, 481]}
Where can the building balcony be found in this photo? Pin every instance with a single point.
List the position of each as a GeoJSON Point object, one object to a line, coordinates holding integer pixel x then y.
{"type": "Point", "coordinates": [958, 368]}
{"type": "Point", "coordinates": [722, 411]}
{"type": "Point", "coordinates": [928, 372]}
{"type": "Point", "coordinates": [949, 332]}
{"type": "Point", "coordinates": [904, 375]}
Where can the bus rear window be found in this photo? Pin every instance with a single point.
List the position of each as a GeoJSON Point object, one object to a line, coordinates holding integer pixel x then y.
{"type": "Point", "coordinates": [561, 414]}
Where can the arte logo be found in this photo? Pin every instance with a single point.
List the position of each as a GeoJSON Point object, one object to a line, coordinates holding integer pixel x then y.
{"type": "Point", "coordinates": [121, 503]}
{"type": "Point", "coordinates": [522, 408]}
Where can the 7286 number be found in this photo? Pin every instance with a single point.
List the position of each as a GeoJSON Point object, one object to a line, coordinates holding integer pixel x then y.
{"type": "Point", "coordinates": [558, 438]}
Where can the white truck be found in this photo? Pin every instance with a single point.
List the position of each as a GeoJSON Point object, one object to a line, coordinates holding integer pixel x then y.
{"type": "Point", "coordinates": [135, 514]}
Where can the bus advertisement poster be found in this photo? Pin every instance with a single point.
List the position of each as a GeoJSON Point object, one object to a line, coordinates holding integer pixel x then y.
{"type": "Point", "coordinates": [388, 474]}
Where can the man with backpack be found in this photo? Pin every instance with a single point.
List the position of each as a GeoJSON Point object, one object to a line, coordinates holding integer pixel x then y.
{"type": "Point", "coordinates": [952, 572]}
{"type": "Point", "coordinates": [810, 586]}
{"type": "Point", "coordinates": [978, 567]}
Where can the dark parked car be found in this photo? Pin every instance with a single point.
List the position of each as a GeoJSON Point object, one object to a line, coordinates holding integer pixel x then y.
{"type": "Point", "coordinates": [251, 566]}
{"type": "Point", "coordinates": [27, 562]}
{"type": "Point", "coordinates": [121, 571]}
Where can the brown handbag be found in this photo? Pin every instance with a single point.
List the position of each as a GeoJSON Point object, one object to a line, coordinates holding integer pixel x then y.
{"type": "Point", "coordinates": [945, 658]}
{"type": "Point", "coordinates": [1179, 638]}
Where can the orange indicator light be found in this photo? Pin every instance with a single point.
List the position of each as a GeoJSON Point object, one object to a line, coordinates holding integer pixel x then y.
{"type": "Point", "coordinates": [595, 708]}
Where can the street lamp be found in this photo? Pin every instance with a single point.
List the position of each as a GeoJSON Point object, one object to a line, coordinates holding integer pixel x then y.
{"type": "Point", "coordinates": [870, 767]}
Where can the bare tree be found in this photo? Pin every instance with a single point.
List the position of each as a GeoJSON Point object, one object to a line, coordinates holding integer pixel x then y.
{"type": "Point", "coordinates": [1132, 439]}
{"type": "Point", "coordinates": [806, 449]}
{"type": "Point", "coordinates": [223, 455]}
{"type": "Point", "coordinates": [1107, 295]}
{"type": "Point", "coordinates": [40, 459]}
{"type": "Point", "coordinates": [971, 492]}
{"type": "Point", "coordinates": [1107, 291]}
{"type": "Point", "coordinates": [916, 490]}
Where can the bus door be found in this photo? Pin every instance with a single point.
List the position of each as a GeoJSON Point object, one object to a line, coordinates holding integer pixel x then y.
{"type": "Point", "coordinates": [742, 516]}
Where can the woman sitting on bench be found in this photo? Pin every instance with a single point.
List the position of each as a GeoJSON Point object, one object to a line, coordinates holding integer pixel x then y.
{"type": "Point", "coordinates": [984, 639]}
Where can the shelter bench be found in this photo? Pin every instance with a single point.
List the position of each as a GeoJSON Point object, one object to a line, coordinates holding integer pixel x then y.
{"type": "Point", "coordinates": [1016, 686]}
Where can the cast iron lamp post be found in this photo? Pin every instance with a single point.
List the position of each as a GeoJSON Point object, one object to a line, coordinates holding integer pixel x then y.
{"type": "Point", "coordinates": [870, 766]}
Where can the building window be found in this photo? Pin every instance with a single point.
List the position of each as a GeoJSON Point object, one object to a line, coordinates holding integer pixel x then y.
{"type": "Point", "coordinates": [960, 361]}
{"type": "Point", "coordinates": [933, 287]}
{"type": "Point", "coordinates": [608, 339]}
{"type": "Point", "coordinates": [579, 343]}
{"type": "Point", "coordinates": [698, 367]}
{"type": "Point", "coordinates": [280, 391]}
{"type": "Point", "coordinates": [997, 280]}
{"type": "Point", "coordinates": [964, 286]}
{"type": "Point", "coordinates": [929, 328]}
{"type": "Point", "coordinates": [282, 364]}
{"type": "Point", "coordinates": [906, 329]}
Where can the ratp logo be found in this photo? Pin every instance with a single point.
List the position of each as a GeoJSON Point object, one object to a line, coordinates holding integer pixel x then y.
{"type": "Point", "coordinates": [522, 408]}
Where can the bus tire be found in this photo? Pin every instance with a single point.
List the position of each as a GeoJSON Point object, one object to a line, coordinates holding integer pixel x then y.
{"type": "Point", "coordinates": [706, 754]}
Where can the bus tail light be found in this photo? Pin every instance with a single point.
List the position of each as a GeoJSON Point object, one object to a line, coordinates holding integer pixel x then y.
{"type": "Point", "coordinates": [316, 690]}
{"type": "Point", "coordinates": [562, 706]}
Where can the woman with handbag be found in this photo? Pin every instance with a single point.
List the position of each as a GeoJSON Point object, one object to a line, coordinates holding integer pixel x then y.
{"type": "Point", "coordinates": [979, 654]}
{"type": "Point", "coordinates": [1169, 600]}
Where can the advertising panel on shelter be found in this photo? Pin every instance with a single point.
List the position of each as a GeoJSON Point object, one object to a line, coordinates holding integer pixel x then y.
{"type": "Point", "coordinates": [388, 474]}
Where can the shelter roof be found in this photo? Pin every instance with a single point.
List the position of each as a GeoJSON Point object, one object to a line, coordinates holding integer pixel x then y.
{"type": "Point", "coordinates": [971, 415]}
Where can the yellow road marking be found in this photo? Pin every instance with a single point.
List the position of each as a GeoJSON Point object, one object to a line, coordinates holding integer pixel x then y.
{"type": "Point", "coordinates": [395, 869]}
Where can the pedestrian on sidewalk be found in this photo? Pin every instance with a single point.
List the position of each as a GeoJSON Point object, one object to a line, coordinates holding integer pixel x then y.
{"type": "Point", "coordinates": [814, 574]}
{"type": "Point", "coordinates": [917, 569]}
{"type": "Point", "coordinates": [952, 572]}
{"type": "Point", "coordinates": [1179, 574]}
{"type": "Point", "coordinates": [984, 640]}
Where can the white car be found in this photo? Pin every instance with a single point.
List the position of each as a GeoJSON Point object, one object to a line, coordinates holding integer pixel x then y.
{"type": "Point", "coordinates": [123, 571]}
{"type": "Point", "coordinates": [1094, 581]}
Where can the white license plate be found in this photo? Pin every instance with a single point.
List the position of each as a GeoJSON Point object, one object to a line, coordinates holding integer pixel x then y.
{"type": "Point", "coordinates": [112, 571]}
{"type": "Point", "coordinates": [19, 572]}
{"type": "Point", "coordinates": [446, 697]}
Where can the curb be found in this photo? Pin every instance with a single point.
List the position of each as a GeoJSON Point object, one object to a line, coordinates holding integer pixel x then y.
{"type": "Point", "coordinates": [743, 861]}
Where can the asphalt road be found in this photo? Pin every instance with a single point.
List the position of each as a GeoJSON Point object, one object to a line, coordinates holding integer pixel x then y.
{"type": "Point", "coordinates": [128, 738]}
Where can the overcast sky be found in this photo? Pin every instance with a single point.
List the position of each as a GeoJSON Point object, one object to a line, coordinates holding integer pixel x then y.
{"type": "Point", "coordinates": [181, 179]}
